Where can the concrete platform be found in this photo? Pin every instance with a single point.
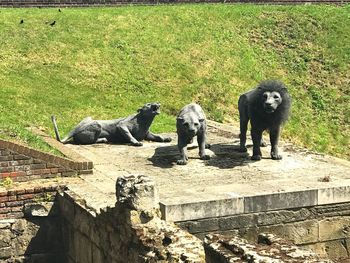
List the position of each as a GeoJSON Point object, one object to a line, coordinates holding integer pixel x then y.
{"type": "Point", "coordinates": [230, 183]}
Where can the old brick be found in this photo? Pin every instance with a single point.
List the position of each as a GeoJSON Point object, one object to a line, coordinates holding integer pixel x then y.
{"type": "Point", "coordinates": [25, 196]}
{"type": "Point", "coordinates": [41, 171]}
{"type": "Point", "coordinates": [15, 215]}
{"type": "Point", "coordinates": [37, 161]}
{"type": "Point", "coordinates": [13, 163]}
{"type": "Point", "coordinates": [38, 166]}
{"type": "Point", "coordinates": [85, 172]}
{"type": "Point", "coordinates": [4, 198]}
{"type": "Point", "coordinates": [90, 165]}
{"type": "Point", "coordinates": [11, 192]}
{"type": "Point", "coordinates": [54, 170]}
{"type": "Point", "coordinates": [17, 174]}
{"type": "Point", "coordinates": [16, 209]}
{"type": "Point", "coordinates": [4, 164]}
{"type": "Point", "coordinates": [12, 198]}
{"type": "Point", "coordinates": [20, 192]}
{"type": "Point", "coordinates": [14, 203]}
{"type": "Point", "coordinates": [69, 173]}
{"type": "Point", "coordinates": [4, 175]}
{"type": "Point", "coordinates": [6, 158]}
{"type": "Point", "coordinates": [4, 152]}
{"type": "Point", "coordinates": [29, 190]}
{"type": "Point", "coordinates": [51, 165]}
{"type": "Point", "coordinates": [62, 169]}
{"type": "Point", "coordinates": [24, 162]}
{"type": "Point", "coordinates": [5, 210]}
{"type": "Point", "coordinates": [21, 157]}
{"type": "Point", "coordinates": [38, 189]}
{"type": "Point", "coordinates": [22, 168]}
{"type": "Point", "coordinates": [6, 169]}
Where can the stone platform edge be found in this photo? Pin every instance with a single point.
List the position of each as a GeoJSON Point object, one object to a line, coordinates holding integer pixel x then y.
{"type": "Point", "coordinates": [254, 204]}
{"type": "Point", "coordinates": [81, 166]}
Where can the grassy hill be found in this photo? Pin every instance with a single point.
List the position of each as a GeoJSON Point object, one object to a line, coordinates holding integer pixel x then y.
{"type": "Point", "coordinates": [107, 62]}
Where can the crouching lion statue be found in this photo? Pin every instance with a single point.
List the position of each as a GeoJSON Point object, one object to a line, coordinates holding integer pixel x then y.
{"type": "Point", "coordinates": [132, 129]}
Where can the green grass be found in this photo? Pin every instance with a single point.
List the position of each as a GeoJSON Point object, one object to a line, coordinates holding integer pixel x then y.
{"type": "Point", "coordinates": [107, 62]}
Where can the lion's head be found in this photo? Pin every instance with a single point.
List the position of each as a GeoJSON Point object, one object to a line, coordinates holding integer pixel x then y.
{"type": "Point", "coordinates": [274, 97]}
{"type": "Point", "coordinates": [150, 109]}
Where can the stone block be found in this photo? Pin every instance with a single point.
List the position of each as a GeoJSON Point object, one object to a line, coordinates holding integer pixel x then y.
{"type": "Point", "coordinates": [237, 222]}
{"type": "Point", "coordinates": [137, 192]}
{"type": "Point", "coordinates": [334, 195]}
{"type": "Point", "coordinates": [278, 201]}
{"type": "Point", "coordinates": [337, 249]}
{"type": "Point", "coordinates": [200, 226]}
{"type": "Point", "coordinates": [319, 248]}
{"type": "Point", "coordinates": [200, 210]}
{"type": "Point", "coordinates": [303, 232]}
{"type": "Point", "coordinates": [283, 216]}
{"type": "Point", "coordinates": [332, 210]}
{"type": "Point", "coordinates": [334, 228]}
{"type": "Point", "coordinates": [37, 210]}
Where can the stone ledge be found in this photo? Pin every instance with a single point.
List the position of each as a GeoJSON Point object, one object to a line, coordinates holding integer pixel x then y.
{"type": "Point", "coordinates": [253, 203]}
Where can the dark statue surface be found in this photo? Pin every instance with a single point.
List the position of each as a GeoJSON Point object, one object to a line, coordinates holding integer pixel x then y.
{"type": "Point", "coordinates": [267, 107]}
{"type": "Point", "coordinates": [131, 129]}
{"type": "Point", "coordinates": [191, 122]}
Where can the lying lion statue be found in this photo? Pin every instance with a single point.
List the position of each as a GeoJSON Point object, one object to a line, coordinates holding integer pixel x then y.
{"type": "Point", "coordinates": [132, 129]}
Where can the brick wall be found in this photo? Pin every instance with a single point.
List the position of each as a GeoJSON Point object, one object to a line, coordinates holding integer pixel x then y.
{"type": "Point", "coordinates": [23, 163]}
{"type": "Point", "coordinates": [14, 203]}
{"type": "Point", "coordinates": [30, 225]}
{"type": "Point", "coordinates": [75, 3]}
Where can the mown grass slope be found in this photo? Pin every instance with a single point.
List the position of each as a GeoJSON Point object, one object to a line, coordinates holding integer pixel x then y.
{"type": "Point", "coordinates": [107, 62]}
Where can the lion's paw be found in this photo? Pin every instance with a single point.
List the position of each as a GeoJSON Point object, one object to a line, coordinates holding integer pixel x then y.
{"type": "Point", "coordinates": [137, 144]}
{"type": "Point", "coordinates": [181, 162]}
{"type": "Point", "coordinates": [167, 139]}
{"type": "Point", "coordinates": [256, 158]}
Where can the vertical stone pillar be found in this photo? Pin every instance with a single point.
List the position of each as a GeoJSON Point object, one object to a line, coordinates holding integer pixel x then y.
{"type": "Point", "coordinates": [138, 192]}
{"type": "Point", "coordinates": [152, 239]}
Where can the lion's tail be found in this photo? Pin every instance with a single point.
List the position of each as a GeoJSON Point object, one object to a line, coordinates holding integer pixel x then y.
{"type": "Point", "coordinates": [53, 119]}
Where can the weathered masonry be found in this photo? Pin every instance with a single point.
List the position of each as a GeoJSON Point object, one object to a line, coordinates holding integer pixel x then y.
{"type": "Point", "coordinates": [226, 208]}
{"type": "Point", "coordinates": [64, 229]}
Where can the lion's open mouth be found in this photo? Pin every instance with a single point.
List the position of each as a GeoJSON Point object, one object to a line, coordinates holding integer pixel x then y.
{"type": "Point", "coordinates": [155, 108]}
{"type": "Point", "coordinates": [269, 109]}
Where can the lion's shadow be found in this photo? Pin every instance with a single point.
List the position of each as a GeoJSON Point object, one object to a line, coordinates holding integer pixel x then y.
{"type": "Point", "coordinates": [224, 156]}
